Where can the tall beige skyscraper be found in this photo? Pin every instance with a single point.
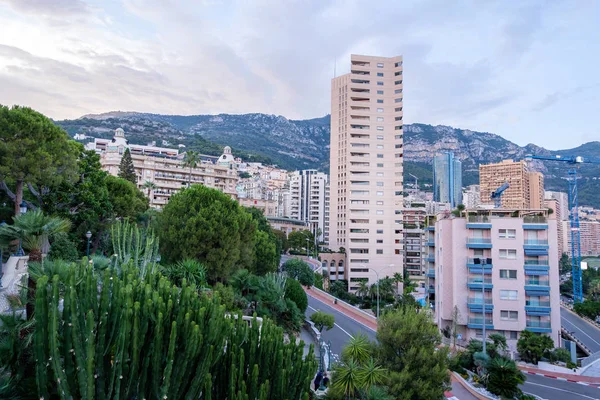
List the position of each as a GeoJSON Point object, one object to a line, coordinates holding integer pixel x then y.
{"type": "Point", "coordinates": [526, 187]}
{"type": "Point", "coordinates": [366, 157]}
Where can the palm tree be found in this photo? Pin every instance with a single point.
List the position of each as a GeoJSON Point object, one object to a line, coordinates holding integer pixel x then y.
{"type": "Point", "coordinates": [34, 230]}
{"type": "Point", "coordinates": [191, 160]}
{"type": "Point", "coordinates": [148, 185]}
{"type": "Point", "coordinates": [363, 289]}
{"type": "Point", "coordinates": [357, 349]}
{"type": "Point", "coordinates": [397, 279]}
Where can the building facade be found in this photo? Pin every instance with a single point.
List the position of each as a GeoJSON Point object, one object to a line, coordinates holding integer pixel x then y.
{"type": "Point", "coordinates": [308, 192]}
{"type": "Point", "coordinates": [164, 168]}
{"type": "Point", "coordinates": [526, 190]}
{"type": "Point", "coordinates": [447, 179]}
{"type": "Point", "coordinates": [471, 196]}
{"type": "Point", "coordinates": [589, 238]}
{"type": "Point", "coordinates": [503, 261]}
{"type": "Point", "coordinates": [414, 216]}
{"type": "Point", "coordinates": [366, 161]}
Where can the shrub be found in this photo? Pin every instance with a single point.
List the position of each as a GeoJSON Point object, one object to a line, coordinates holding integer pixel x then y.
{"type": "Point", "coordinates": [300, 270]}
{"type": "Point", "coordinates": [191, 270]}
{"type": "Point", "coordinates": [532, 347]}
{"type": "Point", "coordinates": [504, 378]}
{"type": "Point", "coordinates": [62, 248]}
{"type": "Point", "coordinates": [322, 320]}
{"type": "Point", "coordinates": [571, 365]}
{"type": "Point", "coordinates": [294, 292]}
{"type": "Point", "coordinates": [560, 354]}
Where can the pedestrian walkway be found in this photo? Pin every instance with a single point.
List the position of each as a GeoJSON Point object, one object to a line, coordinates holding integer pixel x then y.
{"type": "Point", "coordinates": [589, 380]}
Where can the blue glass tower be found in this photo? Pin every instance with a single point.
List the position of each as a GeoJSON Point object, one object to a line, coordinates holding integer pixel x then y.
{"type": "Point", "coordinates": [447, 179]}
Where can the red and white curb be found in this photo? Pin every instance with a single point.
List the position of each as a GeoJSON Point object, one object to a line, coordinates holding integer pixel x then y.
{"type": "Point", "coordinates": [594, 385]}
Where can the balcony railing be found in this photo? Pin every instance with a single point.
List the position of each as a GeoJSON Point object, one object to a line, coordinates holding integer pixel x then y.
{"type": "Point", "coordinates": [535, 303]}
{"type": "Point", "coordinates": [536, 242]}
{"type": "Point", "coordinates": [538, 324]}
{"type": "Point", "coordinates": [536, 262]}
{"type": "Point", "coordinates": [473, 281]}
{"type": "Point", "coordinates": [537, 282]}
{"type": "Point", "coordinates": [479, 241]}
{"type": "Point", "coordinates": [479, 321]}
{"type": "Point", "coordinates": [534, 219]}
{"type": "Point", "coordinates": [476, 300]}
{"type": "Point", "coordinates": [478, 218]}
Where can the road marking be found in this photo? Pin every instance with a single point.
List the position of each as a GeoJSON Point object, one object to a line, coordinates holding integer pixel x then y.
{"type": "Point", "coordinates": [561, 390]}
{"type": "Point", "coordinates": [342, 329]}
{"type": "Point", "coordinates": [591, 338]}
{"type": "Point", "coordinates": [535, 395]}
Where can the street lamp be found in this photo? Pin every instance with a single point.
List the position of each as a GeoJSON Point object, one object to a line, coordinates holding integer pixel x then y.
{"type": "Point", "coordinates": [88, 235]}
{"type": "Point", "coordinates": [23, 210]}
{"type": "Point", "coordinates": [483, 262]}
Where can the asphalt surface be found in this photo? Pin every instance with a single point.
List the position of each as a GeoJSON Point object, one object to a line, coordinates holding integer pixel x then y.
{"type": "Point", "coordinates": [554, 389]}
{"type": "Point", "coordinates": [588, 335]}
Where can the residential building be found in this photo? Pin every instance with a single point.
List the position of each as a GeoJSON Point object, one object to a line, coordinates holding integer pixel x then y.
{"type": "Point", "coordinates": [501, 261]}
{"type": "Point", "coordinates": [366, 159]}
{"type": "Point", "coordinates": [307, 193]}
{"type": "Point", "coordinates": [413, 217]}
{"type": "Point", "coordinates": [447, 179]}
{"type": "Point", "coordinates": [164, 168]}
{"type": "Point", "coordinates": [563, 203]}
{"type": "Point", "coordinates": [287, 225]}
{"type": "Point", "coordinates": [268, 207]}
{"type": "Point", "coordinates": [471, 197]}
{"type": "Point", "coordinates": [589, 238]}
{"type": "Point", "coordinates": [526, 190]}
{"type": "Point", "coordinates": [554, 205]}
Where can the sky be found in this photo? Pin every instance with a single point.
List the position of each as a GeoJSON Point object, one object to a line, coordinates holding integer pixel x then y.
{"type": "Point", "coordinates": [526, 70]}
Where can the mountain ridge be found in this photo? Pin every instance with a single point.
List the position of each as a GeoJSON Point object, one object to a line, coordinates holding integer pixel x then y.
{"type": "Point", "coordinates": [303, 144]}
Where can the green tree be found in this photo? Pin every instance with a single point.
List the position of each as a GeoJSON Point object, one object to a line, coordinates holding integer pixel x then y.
{"type": "Point", "coordinates": [588, 308]}
{"type": "Point", "coordinates": [148, 186]}
{"type": "Point", "coordinates": [301, 240]}
{"type": "Point", "coordinates": [322, 320]}
{"type": "Point", "coordinates": [299, 270]}
{"type": "Point", "coordinates": [207, 225]}
{"type": "Point", "coordinates": [34, 151]}
{"type": "Point", "coordinates": [126, 168]}
{"type": "Point", "coordinates": [121, 336]}
{"type": "Point", "coordinates": [126, 199]}
{"type": "Point", "coordinates": [63, 248]}
{"type": "Point", "coordinates": [191, 159]}
{"type": "Point", "coordinates": [532, 346]}
{"type": "Point", "coordinates": [504, 378]}
{"type": "Point", "coordinates": [408, 348]}
{"type": "Point", "coordinates": [564, 264]}
{"type": "Point", "coordinates": [294, 292]}
{"type": "Point", "coordinates": [267, 249]}
{"type": "Point", "coordinates": [282, 239]}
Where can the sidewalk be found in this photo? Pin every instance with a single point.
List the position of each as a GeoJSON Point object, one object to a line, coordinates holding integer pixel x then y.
{"type": "Point", "coordinates": [358, 316]}
{"type": "Point", "coordinates": [584, 380]}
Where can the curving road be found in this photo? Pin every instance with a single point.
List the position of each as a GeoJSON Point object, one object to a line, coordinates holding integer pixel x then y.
{"type": "Point", "coordinates": [588, 335]}
{"type": "Point", "coordinates": [545, 388]}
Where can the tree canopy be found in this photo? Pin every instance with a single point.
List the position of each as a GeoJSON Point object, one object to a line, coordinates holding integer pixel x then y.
{"type": "Point", "coordinates": [207, 225]}
{"type": "Point", "coordinates": [299, 270]}
{"type": "Point", "coordinates": [34, 151]}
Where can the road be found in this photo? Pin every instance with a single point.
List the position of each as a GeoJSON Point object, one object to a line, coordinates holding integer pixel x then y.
{"type": "Point", "coordinates": [588, 335]}
{"type": "Point", "coordinates": [546, 388]}
{"type": "Point", "coordinates": [553, 389]}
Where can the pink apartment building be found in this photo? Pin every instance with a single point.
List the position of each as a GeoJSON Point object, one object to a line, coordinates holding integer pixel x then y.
{"type": "Point", "coordinates": [519, 288]}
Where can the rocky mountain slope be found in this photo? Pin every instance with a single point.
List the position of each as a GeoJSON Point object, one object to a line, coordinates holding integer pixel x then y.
{"type": "Point", "coordinates": [304, 144]}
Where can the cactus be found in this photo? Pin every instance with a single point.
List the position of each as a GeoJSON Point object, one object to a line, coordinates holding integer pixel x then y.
{"type": "Point", "coordinates": [124, 335]}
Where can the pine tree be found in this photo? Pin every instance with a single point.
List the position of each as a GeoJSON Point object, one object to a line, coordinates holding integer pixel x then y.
{"type": "Point", "coordinates": [126, 169]}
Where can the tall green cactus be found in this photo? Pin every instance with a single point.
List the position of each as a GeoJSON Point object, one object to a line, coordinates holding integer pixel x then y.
{"type": "Point", "coordinates": [123, 335]}
{"type": "Point", "coordinates": [132, 244]}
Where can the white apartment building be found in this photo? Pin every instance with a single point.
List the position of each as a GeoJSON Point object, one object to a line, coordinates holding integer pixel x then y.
{"type": "Point", "coordinates": [366, 159]}
{"type": "Point", "coordinates": [517, 283]}
{"type": "Point", "coordinates": [471, 197]}
{"type": "Point", "coordinates": [164, 168]}
{"type": "Point", "coordinates": [308, 189]}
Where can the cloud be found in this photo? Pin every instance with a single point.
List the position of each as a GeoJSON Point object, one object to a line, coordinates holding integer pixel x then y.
{"type": "Point", "coordinates": [480, 66]}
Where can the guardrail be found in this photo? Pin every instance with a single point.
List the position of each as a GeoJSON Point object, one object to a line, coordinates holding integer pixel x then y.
{"type": "Point", "coordinates": [583, 347]}
{"type": "Point", "coordinates": [345, 305]}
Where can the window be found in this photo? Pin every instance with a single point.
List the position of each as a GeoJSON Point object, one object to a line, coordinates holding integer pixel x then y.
{"type": "Point", "coordinates": [379, 202]}
{"type": "Point", "coordinates": [398, 146]}
{"type": "Point", "coordinates": [398, 73]}
{"type": "Point", "coordinates": [398, 64]}
{"type": "Point", "coordinates": [379, 251]}
{"type": "Point", "coordinates": [508, 274]}
{"type": "Point", "coordinates": [379, 155]}
{"type": "Point", "coordinates": [398, 118]}
{"type": "Point", "coordinates": [380, 128]}
{"type": "Point", "coordinates": [507, 315]}
{"type": "Point", "coordinates": [398, 137]}
{"type": "Point", "coordinates": [508, 254]}
{"type": "Point", "coordinates": [379, 165]}
{"type": "Point", "coordinates": [398, 109]}
{"type": "Point", "coordinates": [379, 241]}
{"type": "Point", "coordinates": [379, 65]}
{"type": "Point", "coordinates": [380, 231]}
{"type": "Point", "coordinates": [380, 146]}
{"type": "Point", "coordinates": [397, 91]}
{"type": "Point", "coordinates": [379, 193]}
{"type": "Point", "coordinates": [380, 74]}
{"type": "Point", "coordinates": [513, 335]}
{"type": "Point", "coordinates": [398, 83]}
{"type": "Point", "coordinates": [398, 128]}
{"type": "Point", "coordinates": [380, 92]}
{"type": "Point", "coordinates": [379, 137]}
{"type": "Point", "coordinates": [380, 101]}
{"type": "Point", "coordinates": [379, 212]}
{"type": "Point", "coordinates": [379, 83]}
{"type": "Point", "coordinates": [508, 294]}
{"type": "Point", "coordinates": [379, 119]}
{"type": "Point", "coordinates": [379, 183]}
{"type": "Point", "coordinates": [477, 253]}
{"type": "Point", "coordinates": [398, 100]}
{"type": "Point", "coordinates": [507, 233]}
{"type": "Point", "coordinates": [380, 110]}
{"type": "Point", "coordinates": [379, 174]}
